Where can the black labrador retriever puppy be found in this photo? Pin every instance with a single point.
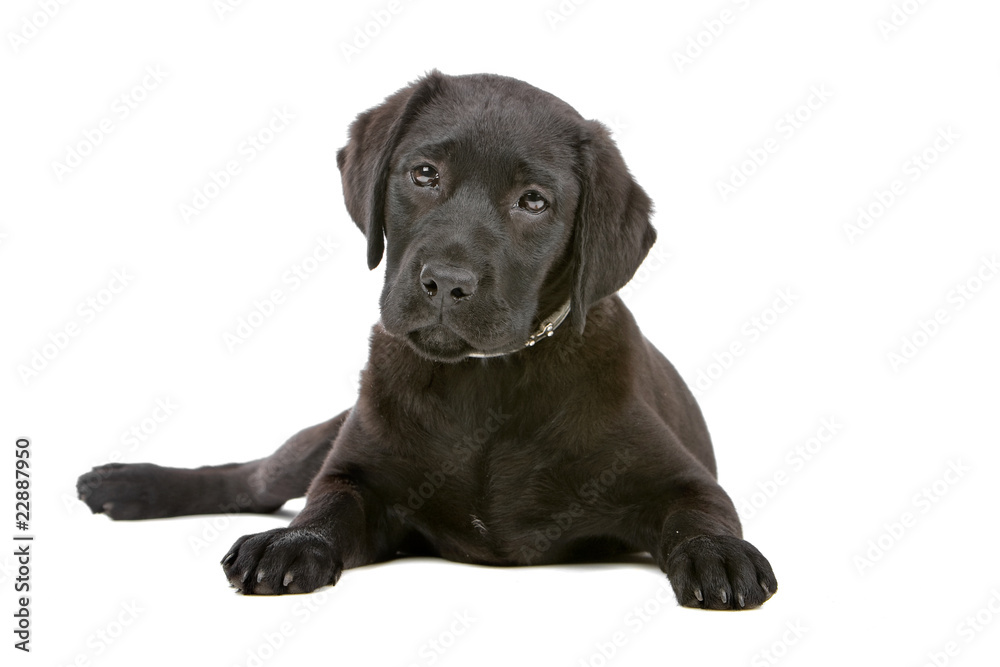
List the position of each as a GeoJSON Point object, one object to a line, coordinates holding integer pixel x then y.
{"type": "Point", "coordinates": [511, 412]}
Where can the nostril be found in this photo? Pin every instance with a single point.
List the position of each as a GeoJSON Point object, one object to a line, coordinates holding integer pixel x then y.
{"type": "Point", "coordinates": [441, 280]}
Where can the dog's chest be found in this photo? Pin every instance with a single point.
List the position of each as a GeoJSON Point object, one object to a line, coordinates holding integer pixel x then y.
{"type": "Point", "coordinates": [488, 495]}
{"type": "Point", "coordinates": [486, 471]}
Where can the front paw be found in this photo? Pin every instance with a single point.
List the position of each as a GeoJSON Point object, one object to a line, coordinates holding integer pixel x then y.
{"type": "Point", "coordinates": [124, 491]}
{"type": "Point", "coordinates": [283, 560]}
{"type": "Point", "coordinates": [719, 572]}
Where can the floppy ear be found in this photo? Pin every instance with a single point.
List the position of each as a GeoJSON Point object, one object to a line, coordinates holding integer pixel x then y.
{"type": "Point", "coordinates": [612, 232]}
{"type": "Point", "coordinates": [364, 161]}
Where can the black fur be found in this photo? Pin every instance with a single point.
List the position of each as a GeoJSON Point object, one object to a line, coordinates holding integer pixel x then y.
{"type": "Point", "coordinates": [583, 445]}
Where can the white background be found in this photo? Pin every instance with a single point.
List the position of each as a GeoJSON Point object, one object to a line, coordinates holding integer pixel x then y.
{"type": "Point", "coordinates": [683, 128]}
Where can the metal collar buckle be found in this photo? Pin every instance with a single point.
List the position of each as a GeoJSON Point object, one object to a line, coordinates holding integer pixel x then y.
{"type": "Point", "coordinates": [547, 329]}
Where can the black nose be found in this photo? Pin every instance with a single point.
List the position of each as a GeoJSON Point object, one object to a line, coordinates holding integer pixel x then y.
{"type": "Point", "coordinates": [440, 281]}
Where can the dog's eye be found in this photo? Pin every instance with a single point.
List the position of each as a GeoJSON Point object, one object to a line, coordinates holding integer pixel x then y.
{"type": "Point", "coordinates": [425, 176]}
{"type": "Point", "coordinates": [532, 202]}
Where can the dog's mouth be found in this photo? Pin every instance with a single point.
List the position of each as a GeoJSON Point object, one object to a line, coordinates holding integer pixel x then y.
{"type": "Point", "coordinates": [453, 336]}
{"type": "Point", "coordinates": [439, 343]}
{"type": "Point", "coordinates": [488, 327]}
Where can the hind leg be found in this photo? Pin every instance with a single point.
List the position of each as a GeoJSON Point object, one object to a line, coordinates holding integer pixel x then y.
{"type": "Point", "coordinates": [148, 491]}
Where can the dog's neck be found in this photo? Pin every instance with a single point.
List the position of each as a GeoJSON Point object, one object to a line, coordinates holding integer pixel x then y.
{"type": "Point", "coordinates": [547, 328]}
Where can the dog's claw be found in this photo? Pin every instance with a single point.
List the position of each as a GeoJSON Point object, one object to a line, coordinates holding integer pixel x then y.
{"type": "Point", "coordinates": [282, 560]}
{"type": "Point", "coordinates": [719, 572]}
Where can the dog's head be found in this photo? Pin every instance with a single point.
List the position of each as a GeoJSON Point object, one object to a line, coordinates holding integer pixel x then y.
{"type": "Point", "coordinates": [494, 202]}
